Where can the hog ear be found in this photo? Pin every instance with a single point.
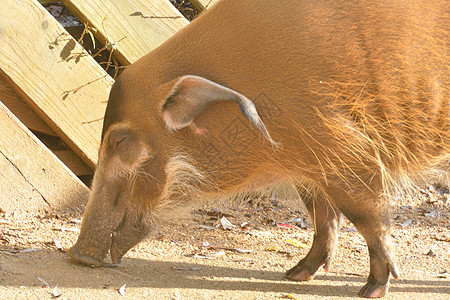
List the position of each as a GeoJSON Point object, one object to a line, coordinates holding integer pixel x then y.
{"type": "Point", "coordinates": [190, 95]}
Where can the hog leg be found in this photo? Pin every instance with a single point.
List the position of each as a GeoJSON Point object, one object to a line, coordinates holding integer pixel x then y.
{"type": "Point", "coordinates": [326, 221]}
{"type": "Point", "coordinates": [371, 217]}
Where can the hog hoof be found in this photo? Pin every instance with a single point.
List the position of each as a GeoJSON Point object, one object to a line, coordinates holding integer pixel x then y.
{"type": "Point", "coordinates": [82, 259]}
{"type": "Point", "coordinates": [303, 272]}
{"type": "Point", "coordinates": [373, 290]}
{"type": "Point", "coordinates": [302, 275]}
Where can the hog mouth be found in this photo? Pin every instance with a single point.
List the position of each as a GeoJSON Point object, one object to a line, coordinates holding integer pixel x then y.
{"type": "Point", "coordinates": [114, 250]}
{"type": "Point", "coordinates": [75, 254]}
{"type": "Point", "coordinates": [130, 231]}
{"type": "Point", "coordinates": [116, 257]}
{"type": "Point", "coordinates": [92, 251]}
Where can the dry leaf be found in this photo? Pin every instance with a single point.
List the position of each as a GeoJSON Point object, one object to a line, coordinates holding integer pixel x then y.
{"type": "Point", "coordinates": [64, 229]}
{"type": "Point", "coordinates": [55, 293]}
{"type": "Point", "coordinates": [406, 223]}
{"type": "Point", "coordinates": [444, 274]}
{"type": "Point", "coordinates": [242, 250]}
{"type": "Point", "coordinates": [202, 256]}
{"type": "Point", "coordinates": [350, 229]}
{"type": "Point", "coordinates": [273, 248]}
{"type": "Point", "coordinates": [226, 224]}
{"type": "Point", "coordinates": [245, 225]}
{"type": "Point", "coordinates": [284, 225]}
{"type": "Point", "coordinates": [28, 250]}
{"type": "Point", "coordinates": [186, 269]}
{"type": "Point", "coordinates": [75, 221]}
{"type": "Point", "coordinates": [206, 227]}
{"type": "Point", "coordinates": [44, 283]}
{"type": "Point", "coordinates": [299, 222]}
{"type": "Point", "coordinates": [432, 213]}
{"type": "Point", "coordinates": [57, 244]}
{"type": "Point", "coordinates": [296, 243]}
{"type": "Point", "coordinates": [122, 289]}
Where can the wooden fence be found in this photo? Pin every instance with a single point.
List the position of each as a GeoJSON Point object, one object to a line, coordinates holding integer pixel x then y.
{"type": "Point", "coordinates": [50, 85]}
{"type": "Point", "coordinates": [203, 4]}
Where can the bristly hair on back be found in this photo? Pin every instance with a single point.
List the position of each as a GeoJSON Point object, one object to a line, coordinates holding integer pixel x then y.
{"type": "Point", "coordinates": [406, 146]}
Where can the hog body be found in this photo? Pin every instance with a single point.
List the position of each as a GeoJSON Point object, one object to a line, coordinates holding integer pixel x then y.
{"type": "Point", "coordinates": [343, 98]}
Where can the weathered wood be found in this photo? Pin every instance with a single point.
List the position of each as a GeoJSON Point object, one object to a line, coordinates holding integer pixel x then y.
{"type": "Point", "coordinates": [31, 177]}
{"type": "Point", "coordinates": [17, 194]}
{"type": "Point", "coordinates": [138, 26]}
{"type": "Point", "coordinates": [203, 4]}
{"type": "Point", "coordinates": [73, 162]}
{"type": "Point", "coordinates": [57, 78]}
{"type": "Point", "coordinates": [33, 122]}
{"type": "Point", "coordinates": [64, 153]}
{"type": "Point", "coordinates": [48, 1]}
{"type": "Point", "coordinates": [21, 109]}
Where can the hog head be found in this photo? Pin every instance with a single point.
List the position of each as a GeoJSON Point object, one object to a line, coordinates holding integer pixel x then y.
{"type": "Point", "coordinates": [135, 182]}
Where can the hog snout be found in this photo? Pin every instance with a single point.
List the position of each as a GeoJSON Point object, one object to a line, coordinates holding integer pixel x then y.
{"type": "Point", "coordinates": [93, 251]}
{"type": "Point", "coordinates": [80, 255]}
{"type": "Point", "coordinates": [95, 237]}
{"type": "Point", "coordinates": [112, 221]}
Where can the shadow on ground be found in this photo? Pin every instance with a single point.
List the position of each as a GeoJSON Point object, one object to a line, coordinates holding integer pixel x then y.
{"type": "Point", "coordinates": [23, 269]}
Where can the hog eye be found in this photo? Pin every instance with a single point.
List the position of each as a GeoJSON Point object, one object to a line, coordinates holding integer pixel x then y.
{"type": "Point", "coordinates": [119, 141]}
{"type": "Point", "coordinates": [117, 138]}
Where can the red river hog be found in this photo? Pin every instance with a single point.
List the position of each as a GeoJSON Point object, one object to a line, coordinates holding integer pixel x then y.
{"type": "Point", "coordinates": [348, 100]}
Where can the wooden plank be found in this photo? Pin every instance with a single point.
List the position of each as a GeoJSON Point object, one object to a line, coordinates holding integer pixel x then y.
{"type": "Point", "coordinates": [56, 77]}
{"type": "Point", "coordinates": [33, 122]}
{"type": "Point", "coordinates": [16, 193]}
{"type": "Point", "coordinates": [203, 4]}
{"type": "Point", "coordinates": [64, 153]}
{"type": "Point", "coordinates": [31, 177]}
{"type": "Point", "coordinates": [73, 162]}
{"type": "Point", "coordinates": [139, 25]}
{"type": "Point", "coordinates": [21, 109]}
{"type": "Point", "coordinates": [47, 1]}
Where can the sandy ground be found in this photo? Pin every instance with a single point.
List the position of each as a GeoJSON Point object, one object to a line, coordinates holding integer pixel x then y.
{"type": "Point", "coordinates": [199, 259]}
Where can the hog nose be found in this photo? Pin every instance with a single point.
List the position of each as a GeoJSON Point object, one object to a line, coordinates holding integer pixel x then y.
{"type": "Point", "coordinates": [84, 257]}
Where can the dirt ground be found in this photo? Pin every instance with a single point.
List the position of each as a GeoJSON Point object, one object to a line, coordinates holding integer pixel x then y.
{"type": "Point", "coordinates": [200, 259]}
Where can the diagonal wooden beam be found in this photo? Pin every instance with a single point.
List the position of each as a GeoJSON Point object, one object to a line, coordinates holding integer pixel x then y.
{"type": "Point", "coordinates": [56, 77]}
{"type": "Point", "coordinates": [203, 4]}
{"type": "Point", "coordinates": [32, 178]}
{"type": "Point", "coordinates": [136, 26]}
